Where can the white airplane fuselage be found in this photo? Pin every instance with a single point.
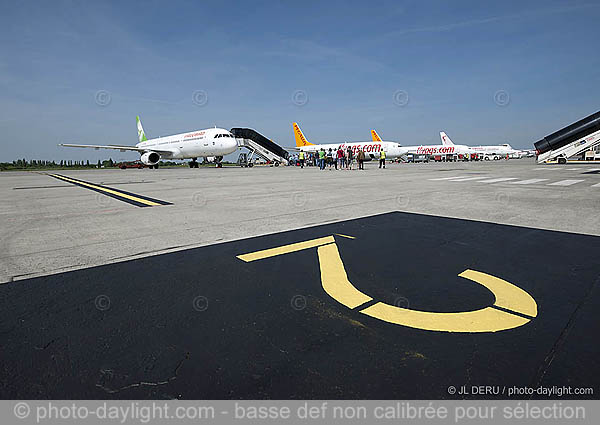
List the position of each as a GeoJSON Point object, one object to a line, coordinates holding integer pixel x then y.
{"type": "Point", "coordinates": [494, 149]}
{"type": "Point", "coordinates": [437, 149]}
{"type": "Point", "coordinates": [211, 142]}
{"type": "Point", "coordinates": [371, 149]}
{"type": "Point", "coordinates": [499, 150]}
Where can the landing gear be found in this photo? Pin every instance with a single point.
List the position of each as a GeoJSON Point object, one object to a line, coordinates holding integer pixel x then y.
{"type": "Point", "coordinates": [193, 163]}
{"type": "Point", "coordinates": [218, 160]}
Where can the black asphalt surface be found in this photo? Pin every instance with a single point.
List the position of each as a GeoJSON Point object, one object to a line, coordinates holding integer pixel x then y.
{"type": "Point", "coordinates": [201, 324]}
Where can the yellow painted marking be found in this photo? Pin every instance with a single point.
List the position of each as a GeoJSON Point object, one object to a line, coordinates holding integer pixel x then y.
{"type": "Point", "coordinates": [485, 320]}
{"type": "Point", "coordinates": [335, 283]}
{"type": "Point", "coordinates": [507, 295]}
{"type": "Point", "coordinates": [286, 249]}
{"type": "Point", "coordinates": [334, 279]}
{"type": "Point", "coordinates": [345, 236]}
{"type": "Point", "coordinates": [103, 189]}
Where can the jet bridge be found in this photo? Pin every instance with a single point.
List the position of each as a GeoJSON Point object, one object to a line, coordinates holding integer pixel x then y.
{"type": "Point", "coordinates": [572, 140]}
{"type": "Point", "coordinates": [260, 146]}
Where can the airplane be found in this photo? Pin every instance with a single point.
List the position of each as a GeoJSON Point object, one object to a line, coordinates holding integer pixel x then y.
{"type": "Point", "coordinates": [496, 151]}
{"type": "Point", "coordinates": [211, 144]}
{"type": "Point", "coordinates": [442, 149]}
{"type": "Point", "coordinates": [371, 149]}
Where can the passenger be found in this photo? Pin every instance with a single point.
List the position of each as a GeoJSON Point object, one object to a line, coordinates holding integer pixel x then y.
{"type": "Point", "coordinates": [361, 159]}
{"type": "Point", "coordinates": [330, 158]}
{"type": "Point", "coordinates": [349, 158]}
{"type": "Point", "coordinates": [340, 158]}
{"type": "Point", "coordinates": [334, 158]}
{"type": "Point", "coordinates": [322, 159]}
{"type": "Point", "coordinates": [301, 157]}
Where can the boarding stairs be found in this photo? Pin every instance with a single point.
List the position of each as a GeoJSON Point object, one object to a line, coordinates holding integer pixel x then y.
{"type": "Point", "coordinates": [258, 145]}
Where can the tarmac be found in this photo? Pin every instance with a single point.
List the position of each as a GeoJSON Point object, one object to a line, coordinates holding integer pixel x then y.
{"type": "Point", "coordinates": [281, 282]}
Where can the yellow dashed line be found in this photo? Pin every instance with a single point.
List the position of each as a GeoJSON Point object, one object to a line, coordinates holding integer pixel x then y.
{"type": "Point", "coordinates": [103, 189]}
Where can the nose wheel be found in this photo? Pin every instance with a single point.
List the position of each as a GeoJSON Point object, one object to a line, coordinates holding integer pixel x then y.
{"type": "Point", "coordinates": [193, 163]}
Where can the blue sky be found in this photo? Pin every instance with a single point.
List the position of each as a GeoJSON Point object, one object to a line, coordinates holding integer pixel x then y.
{"type": "Point", "coordinates": [447, 59]}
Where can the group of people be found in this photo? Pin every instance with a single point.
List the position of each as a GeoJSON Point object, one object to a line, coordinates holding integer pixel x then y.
{"type": "Point", "coordinates": [341, 159]}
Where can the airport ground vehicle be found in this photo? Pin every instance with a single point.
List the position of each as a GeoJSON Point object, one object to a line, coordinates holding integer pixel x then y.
{"type": "Point", "coordinates": [450, 157]}
{"type": "Point", "coordinates": [491, 157]}
{"type": "Point", "coordinates": [130, 164]}
{"type": "Point", "coordinates": [413, 157]}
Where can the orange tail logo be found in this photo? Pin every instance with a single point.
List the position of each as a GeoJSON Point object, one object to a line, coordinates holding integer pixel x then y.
{"type": "Point", "coordinates": [300, 139]}
{"type": "Point", "coordinates": [375, 136]}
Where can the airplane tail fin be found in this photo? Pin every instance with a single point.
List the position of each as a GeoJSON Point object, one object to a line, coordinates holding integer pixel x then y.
{"type": "Point", "coordinates": [299, 136]}
{"type": "Point", "coordinates": [445, 139]}
{"type": "Point", "coordinates": [375, 136]}
{"type": "Point", "coordinates": [141, 135]}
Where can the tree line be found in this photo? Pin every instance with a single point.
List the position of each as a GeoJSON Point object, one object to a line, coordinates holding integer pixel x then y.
{"type": "Point", "coordinates": [42, 163]}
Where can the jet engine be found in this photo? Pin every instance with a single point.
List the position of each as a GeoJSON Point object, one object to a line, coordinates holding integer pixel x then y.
{"type": "Point", "coordinates": [150, 158]}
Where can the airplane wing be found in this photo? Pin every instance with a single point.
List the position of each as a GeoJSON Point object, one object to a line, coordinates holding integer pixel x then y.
{"type": "Point", "coordinates": [116, 147]}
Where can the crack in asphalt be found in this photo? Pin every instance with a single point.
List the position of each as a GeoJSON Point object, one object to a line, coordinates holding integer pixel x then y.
{"type": "Point", "coordinates": [558, 344]}
{"type": "Point", "coordinates": [104, 372]}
